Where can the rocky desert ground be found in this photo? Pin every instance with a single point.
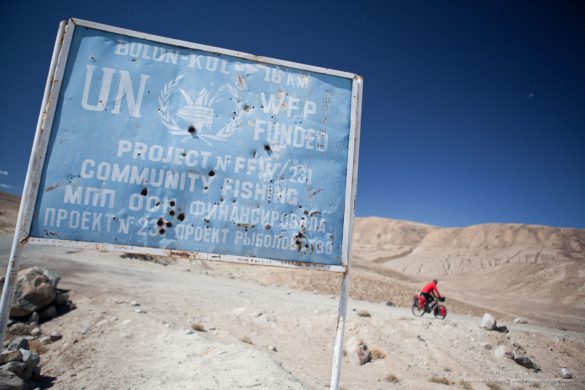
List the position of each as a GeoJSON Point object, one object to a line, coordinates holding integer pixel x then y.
{"type": "Point", "coordinates": [160, 323]}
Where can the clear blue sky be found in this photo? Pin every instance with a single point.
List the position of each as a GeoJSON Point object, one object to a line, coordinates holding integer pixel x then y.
{"type": "Point", "coordinates": [474, 111]}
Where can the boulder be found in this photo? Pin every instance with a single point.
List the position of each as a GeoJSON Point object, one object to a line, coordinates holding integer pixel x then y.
{"type": "Point", "coordinates": [10, 381]}
{"type": "Point", "coordinates": [35, 289]}
{"type": "Point", "coordinates": [56, 336]}
{"type": "Point", "coordinates": [359, 351]}
{"type": "Point", "coordinates": [523, 360]}
{"type": "Point", "coordinates": [18, 343]}
{"type": "Point", "coordinates": [566, 373]}
{"type": "Point", "coordinates": [10, 356]}
{"type": "Point", "coordinates": [26, 355]}
{"type": "Point", "coordinates": [32, 362]}
{"type": "Point", "coordinates": [21, 329]}
{"type": "Point", "coordinates": [520, 320]}
{"type": "Point", "coordinates": [488, 322]}
{"type": "Point", "coordinates": [15, 367]}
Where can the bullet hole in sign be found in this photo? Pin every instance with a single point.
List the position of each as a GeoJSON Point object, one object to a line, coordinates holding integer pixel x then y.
{"type": "Point", "coordinates": [144, 191]}
{"type": "Point", "coordinates": [192, 130]}
{"type": "Point", "coordinates": [160, 222]}
{"type": "Point", "coordinates": [172, 203]}
{"type": "Point", "coordinates": [169, 224]}
{"type": "Point", "coordinates": [172, 212]}
{"type": "Point", "coordinates": [181, 217]}
{"type": "Point", "coordinates": [211, 173]}
{"type": "Point", "coordinates": [162, 231]}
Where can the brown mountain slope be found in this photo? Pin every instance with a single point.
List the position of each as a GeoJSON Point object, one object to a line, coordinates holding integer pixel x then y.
{"type": "Point", "coordinates": [534, 271]}
{"type": "Point", "coordinates": [513, 270]}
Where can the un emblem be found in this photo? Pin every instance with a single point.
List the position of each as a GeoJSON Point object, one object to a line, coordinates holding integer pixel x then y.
{"type": "Point", "coordinates": [197, 110]}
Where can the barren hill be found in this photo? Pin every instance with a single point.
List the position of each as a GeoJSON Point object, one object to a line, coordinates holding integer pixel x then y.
{"type": "Point", "coordinates": [536, 272]}
{"type": "Point", "coordinates": [158, 323]}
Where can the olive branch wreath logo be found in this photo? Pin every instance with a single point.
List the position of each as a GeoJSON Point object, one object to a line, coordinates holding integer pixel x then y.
{"type": "Point", "coordinates": [222, 134]}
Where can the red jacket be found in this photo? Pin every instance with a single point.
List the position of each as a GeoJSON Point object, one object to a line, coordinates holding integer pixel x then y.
{"type": "Point", "coordinates": [431, 288]}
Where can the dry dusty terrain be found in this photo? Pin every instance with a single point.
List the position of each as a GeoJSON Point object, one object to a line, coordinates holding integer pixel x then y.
{"type": "Point", "coordinates": [108, 345]}
{"type": "Point", "coordinates": [507, 270]}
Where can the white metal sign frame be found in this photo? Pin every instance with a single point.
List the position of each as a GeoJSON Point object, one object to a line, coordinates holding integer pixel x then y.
{"type": "Point", "coordinates": [41, 141]}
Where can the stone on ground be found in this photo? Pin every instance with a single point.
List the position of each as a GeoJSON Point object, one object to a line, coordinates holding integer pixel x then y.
{"type": "Point", "coordinates": [488, 322]}
{"type": "Point", "coordinates": [10, 381]}
{"type": "Point", "coordinates": [35, 288]}
{"type": "Point", "coordinates": [359, 351]}
{"type": "Point", "coordinates": [10, 356]}
{"type": "Point", "coordinates": [18, 343]}
{"type": "Point", "coordinates": [566, 373]}
{"type": "Point", "coordinates": [523, 360]}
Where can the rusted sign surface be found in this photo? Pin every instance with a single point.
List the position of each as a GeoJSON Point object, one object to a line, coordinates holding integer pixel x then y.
{"type": "Point", "coordinates": [163, 144]}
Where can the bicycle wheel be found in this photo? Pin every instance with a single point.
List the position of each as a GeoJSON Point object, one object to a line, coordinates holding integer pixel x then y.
{"type": "Point", "coordinates": [440, 312]}
{"type": "Point", "coordinates": [417, 311]}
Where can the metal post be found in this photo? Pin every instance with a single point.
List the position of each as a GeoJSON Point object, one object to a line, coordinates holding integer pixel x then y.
{"type": "Point", "coordinates": [28, 196]}
{"type": "Point", "coordinates": [341, 317]}
{"type": "Point", "coordinates": [9, 282]}
{"type": "Point", "coordinates": [350, 213]}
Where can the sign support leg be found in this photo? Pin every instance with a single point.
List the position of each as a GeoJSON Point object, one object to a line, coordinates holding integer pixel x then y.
{"type": "Point", "coordinates": [28, 197]}
{"type": "Point", "coordinates": [341, 319]}
{"type": "Point", "coordinates": [10, 282]}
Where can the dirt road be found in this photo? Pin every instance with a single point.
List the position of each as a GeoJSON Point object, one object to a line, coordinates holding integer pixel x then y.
{"type": "Point", "coordinates": [265, 337]}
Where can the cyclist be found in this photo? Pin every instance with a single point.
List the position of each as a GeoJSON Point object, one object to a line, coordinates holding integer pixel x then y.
{"type": "Point", "coordinates": [430, 292]}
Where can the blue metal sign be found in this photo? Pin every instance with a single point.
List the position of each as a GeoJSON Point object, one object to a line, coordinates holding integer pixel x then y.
{"type": "Point", "coordinates": [162, 145]}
